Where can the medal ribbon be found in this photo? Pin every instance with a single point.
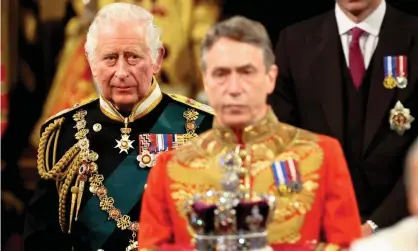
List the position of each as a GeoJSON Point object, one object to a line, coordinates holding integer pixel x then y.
{"type": "Point", "coordinates": [164, 142]}
{"type": "Point", "coordinates": [278, 174]}
{"type": "Point", "coordinates": [144, 142]}
{"type": "Point", "coordinates": [294, 170]}
{"type": "Point", "coordinates": [157, 142]}
{"type": "Point", "coordinates": [401, 62]}
{"type": "Point", "coordinates": [389, 63]}
{"type": "Point", "coordinates": [285, 172]}
{"type": "Point", "coordinates": [153, 143]}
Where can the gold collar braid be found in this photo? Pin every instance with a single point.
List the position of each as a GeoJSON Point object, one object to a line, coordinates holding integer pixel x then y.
{"type": "Point", "coordinates": [259, 131]}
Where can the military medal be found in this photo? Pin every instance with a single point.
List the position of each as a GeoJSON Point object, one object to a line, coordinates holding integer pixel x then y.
{"type": "Point", "coordinates": [400, 118]}
{"type": "Point", "coordinates": [145, 158]}
{"type": "Point", "coordinates": [401, 71]}
{"type": "Point", "coordinates": [389, 65]}
{"type": "Point", "coordinates": [287, 176]}
{"type": "Point", "coordinates": [124, 144]}
{"type": "Point", "coordinates": [151, 144]}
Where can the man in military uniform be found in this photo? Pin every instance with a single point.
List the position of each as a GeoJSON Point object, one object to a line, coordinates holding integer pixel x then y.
{"type": "Point", "coordinates": [94, 159]}
{"type": "Point", "coordinates": [306, 172]}
{"type": "Point", "coordinates": [183, 24]}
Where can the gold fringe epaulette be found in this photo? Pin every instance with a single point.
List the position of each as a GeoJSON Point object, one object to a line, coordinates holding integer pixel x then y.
{"type": "Point", "coordinates": [192, 103]}
{"type": "Point", "coordinates": [75, 106]}
{"type": "Point", "coordinates": [62, 171]}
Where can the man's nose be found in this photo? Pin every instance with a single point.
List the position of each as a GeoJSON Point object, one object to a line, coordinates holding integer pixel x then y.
{"type": "Point", "coordinates": [121, 71]}
{"type": "Point", "coordinates": [234, 84]}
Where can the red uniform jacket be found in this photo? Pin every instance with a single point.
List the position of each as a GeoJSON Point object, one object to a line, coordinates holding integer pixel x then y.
{"type": "Point", "coordinates": [324, 211]}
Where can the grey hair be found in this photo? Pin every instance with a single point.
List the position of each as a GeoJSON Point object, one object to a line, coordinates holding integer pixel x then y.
{"type": "Point", "coordinates": [122, 12]}
{"type": "Point", "coordinates": [240, 29]}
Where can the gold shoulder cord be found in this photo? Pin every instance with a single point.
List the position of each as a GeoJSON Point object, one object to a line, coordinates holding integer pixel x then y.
{"type": "Point", "coordinates": [57, 172]}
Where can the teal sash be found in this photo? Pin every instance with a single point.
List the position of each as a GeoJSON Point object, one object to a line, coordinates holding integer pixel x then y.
{"type": "Point", "coordinates": [127, 181]}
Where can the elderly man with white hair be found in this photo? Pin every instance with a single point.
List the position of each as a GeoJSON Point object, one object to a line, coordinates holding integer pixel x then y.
{"type": "Point", "coordinates": [94, 159]}
{"type": "Point", "coordinates": [404, 235]}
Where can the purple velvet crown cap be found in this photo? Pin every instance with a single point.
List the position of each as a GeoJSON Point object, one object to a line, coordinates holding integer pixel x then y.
{"type": "Point", "coordinates": [218, 219]}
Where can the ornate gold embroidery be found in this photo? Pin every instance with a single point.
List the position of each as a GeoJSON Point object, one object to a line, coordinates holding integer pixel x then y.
{"type": "Point", "coordinates": [195, 169]}
{"type": "Point", "coordinates": [191, 116]}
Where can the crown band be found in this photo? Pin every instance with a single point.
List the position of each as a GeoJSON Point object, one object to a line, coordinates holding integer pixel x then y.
{"type": "Point", "coordinates": [240, 242]}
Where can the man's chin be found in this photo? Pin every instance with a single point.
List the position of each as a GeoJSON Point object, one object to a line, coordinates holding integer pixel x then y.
{"type": "Point", "coordinates": [356, 8]}
{"type": "Point", "coordinates": [125, 104]}
{"type": "Point", "coordinates": [236, 121]}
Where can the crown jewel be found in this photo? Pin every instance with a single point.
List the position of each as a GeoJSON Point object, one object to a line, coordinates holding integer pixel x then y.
{"type": "Point", "coordinates": [233, 218]}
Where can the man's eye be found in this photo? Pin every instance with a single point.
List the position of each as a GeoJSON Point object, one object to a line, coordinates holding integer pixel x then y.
{"type": "Point", "coordinates": [219, 73]}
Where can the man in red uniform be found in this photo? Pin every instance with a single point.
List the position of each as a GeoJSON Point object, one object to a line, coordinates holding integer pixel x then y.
{"type": "Point", "coordinates": [306, 172]}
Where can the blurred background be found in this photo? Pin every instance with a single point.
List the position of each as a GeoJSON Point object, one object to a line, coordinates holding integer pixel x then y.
{"type": "Point", "coordinates": [44, 70]}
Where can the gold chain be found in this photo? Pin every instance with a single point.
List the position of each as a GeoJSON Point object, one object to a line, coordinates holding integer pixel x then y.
{"type": "Point", "coordinates": [87, 168]}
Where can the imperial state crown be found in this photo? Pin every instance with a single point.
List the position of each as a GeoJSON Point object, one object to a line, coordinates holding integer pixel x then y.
{"type": "Point", "coordinates": [232, 218]}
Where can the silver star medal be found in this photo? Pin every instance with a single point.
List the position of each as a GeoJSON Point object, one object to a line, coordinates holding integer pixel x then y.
{"type": "Point", "coordinates": [124, 144]}
{"type": "Point", "coordinates": [400, 118]}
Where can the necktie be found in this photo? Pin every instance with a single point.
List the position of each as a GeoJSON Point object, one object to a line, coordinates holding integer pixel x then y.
{"type": "Point", "coordinates": [356, 61]}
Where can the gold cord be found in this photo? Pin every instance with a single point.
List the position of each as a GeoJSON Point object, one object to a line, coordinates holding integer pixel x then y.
{"type": "Point", "coordinates": [62, 210]}
{"type": "Point", "coordinates": [57, 172]}
{"type": "Point", "coordinates": [43, 152]}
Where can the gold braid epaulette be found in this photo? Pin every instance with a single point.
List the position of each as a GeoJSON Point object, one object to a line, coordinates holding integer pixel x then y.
{"type": "Point", "coordinates": [63, 171]}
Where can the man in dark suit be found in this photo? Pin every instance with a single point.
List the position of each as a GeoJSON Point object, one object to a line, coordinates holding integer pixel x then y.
{"type": "Point", "coordinates": [332, 70]}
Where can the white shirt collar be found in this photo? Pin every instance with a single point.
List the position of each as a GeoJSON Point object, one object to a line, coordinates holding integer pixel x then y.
{"type": "Point", "coordinates": [148, 103]}
{"type": "Point", "coordinates": [371, 24]}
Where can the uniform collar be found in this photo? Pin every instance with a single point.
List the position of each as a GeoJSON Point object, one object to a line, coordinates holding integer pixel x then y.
{"type": "Point", "coordinates": [259, 131]}
{"type": "Point", "coordinates": [371, 25]}
{"type": "Point", "coordinates": [146, 105]}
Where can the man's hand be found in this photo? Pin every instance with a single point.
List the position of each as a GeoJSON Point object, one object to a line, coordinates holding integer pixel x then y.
{"type": "Point", "coordinates": [366, 230]}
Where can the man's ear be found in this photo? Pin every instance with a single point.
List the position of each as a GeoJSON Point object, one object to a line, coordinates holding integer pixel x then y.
{"type": "Point", "coordinates": [272, 73]}
{"type": "Point", "coordinates": [156, 67]}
